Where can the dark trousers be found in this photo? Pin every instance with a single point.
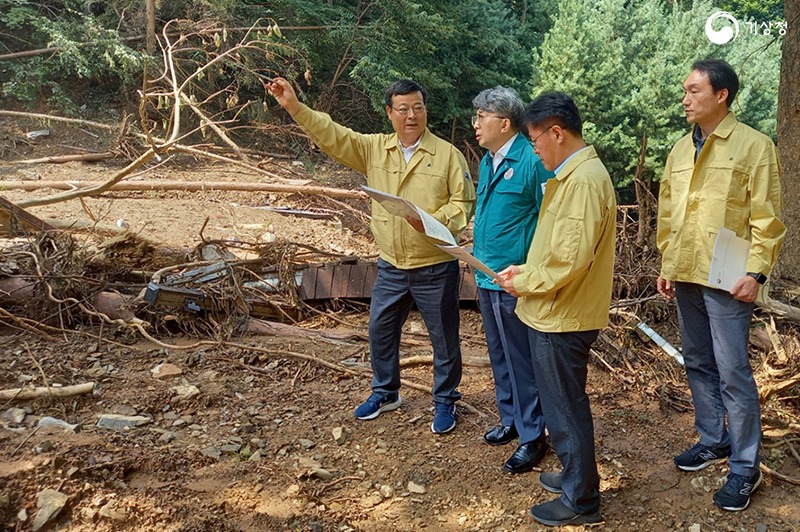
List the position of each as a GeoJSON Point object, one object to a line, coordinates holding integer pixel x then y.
{"type": "Point", "coordinates": [560, 364]}
{"type": "Point", "coordinates": [510, 354]}
{"type": "Point", "coordinates": [434, 289]}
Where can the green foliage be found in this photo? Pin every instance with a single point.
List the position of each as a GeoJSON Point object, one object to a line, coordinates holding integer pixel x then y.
{"type": "Point", "coordinates": [757, 10]}
{"type": "Point", "coordinates": [624, 63]}
{"type": "Point", "coordinates": [88, 52]}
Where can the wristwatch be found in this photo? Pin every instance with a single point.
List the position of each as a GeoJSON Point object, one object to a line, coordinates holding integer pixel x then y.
{"type": "Point", "coordinates": [759, 277]}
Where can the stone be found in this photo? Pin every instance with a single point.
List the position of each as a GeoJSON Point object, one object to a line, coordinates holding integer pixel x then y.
{"type": "Point", "coordinates": [371, 500]}
{"type": "Point", "coordinates": [695, 528]}
{"type": "Point", "coordinates": [167, 437]}
{"type": "Point", "coordinates": [120, 422]}
{"type": "Point", "coordinates": [14, 415]}
{"type": "Point", "coordinates": [165, 371]}
{"type": "Point", "coordinates": [22, 515]}
{"type": "Point", "coordinates": [48, 421]}
{"type": "Point", "coordinates": [184, 392]}
{"type": "Point", "coordinates": [701, 483]}
{"type": "Point", "coordinates": [88, 514]}
{"type": "Point", "coordinates": [761, 527]}
{"type": "Point", "coordinates": [230, 448]}
{"type": "Point", "coordinates": [44, 446]}
{"type": "Point", "coordinates": [306, 444]}
{"type": "Point", "coordinates": [124, 410]}
{"type": "Point", "coordinates": [413, 487]}
{"type": "Point", "coordinates": [387, 491]}
{"type": "Point", "coordinates": [339, 435]}
{"type": "Point", "coordinates": [212, 452]}
{"type": "Point", "coordinates": [5, 501]}
{"type": "Point", "coordinates": [320, 473]}
{"type": "Point", "coordinates": [48, 505]}
{"type": "Point", "coordinates": [110, 511]}
{"type": "Point", "coordinates": [255, 457]}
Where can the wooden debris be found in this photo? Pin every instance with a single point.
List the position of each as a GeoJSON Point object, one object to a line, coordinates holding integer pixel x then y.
{"type": "Point", "coordinates": [22, 394]}
{"type": "Point", "coordinates": [15, 219]}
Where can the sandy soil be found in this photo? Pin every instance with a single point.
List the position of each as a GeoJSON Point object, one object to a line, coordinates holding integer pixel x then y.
{"type": "Point", "coordinates": [270, 443]}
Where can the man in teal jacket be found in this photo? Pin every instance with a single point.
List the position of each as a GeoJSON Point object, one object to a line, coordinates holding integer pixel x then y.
{"type": "Point", "coordinates": [510, 191]}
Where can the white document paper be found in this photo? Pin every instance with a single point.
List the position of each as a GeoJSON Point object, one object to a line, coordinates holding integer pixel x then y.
{"type": "Point", "coordinates": [729, 260]}
{"type": "Point", "coordinates": [436, 229]}
{"type": "Point", "coordinates": [393, 204]}
{"type": "Point", "coordinates": [404, 208]}
{"type": "Point", "coordinates": [463, 254]}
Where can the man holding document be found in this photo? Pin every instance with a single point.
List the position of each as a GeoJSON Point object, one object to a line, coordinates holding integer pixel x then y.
{"type": "Point", "coordinates": [722, 178]}
{"type": "Point", "coordinates": [417, 166]}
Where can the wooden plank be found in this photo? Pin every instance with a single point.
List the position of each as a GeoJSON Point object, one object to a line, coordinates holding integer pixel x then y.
{"type": "Point", "coordinates": [324, 281]}
{"type": "Point", "coordinates": [308, 286]}
{"type": "Point", "coordinates": [340, 285]}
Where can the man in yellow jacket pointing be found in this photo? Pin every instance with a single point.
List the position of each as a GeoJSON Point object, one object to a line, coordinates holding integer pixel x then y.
{"type": "Point", "coordinates": [416, 165]}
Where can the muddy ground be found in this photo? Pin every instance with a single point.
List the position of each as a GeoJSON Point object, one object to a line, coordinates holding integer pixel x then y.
{"type": "Point", "coordinates": [267, 440]}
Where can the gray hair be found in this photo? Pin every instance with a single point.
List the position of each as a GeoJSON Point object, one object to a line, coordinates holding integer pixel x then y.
{"type": "Point", "coordinates": [503, 101]}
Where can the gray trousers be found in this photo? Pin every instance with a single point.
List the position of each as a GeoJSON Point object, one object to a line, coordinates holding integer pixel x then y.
{"type": "Point", "coordinates": [560, 364]}
{"type": "Point", "coordinates": [434, 289]}
{"type": "Point", "coordinates": [715, 329]}
{"type": "Point", "coordinates": [510, 354]}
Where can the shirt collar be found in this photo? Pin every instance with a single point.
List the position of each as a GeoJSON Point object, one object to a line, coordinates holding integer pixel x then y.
{"type": "Point", "coordinates": [561, 166]}
{"type": "Point", "coordinates": [501, 154]}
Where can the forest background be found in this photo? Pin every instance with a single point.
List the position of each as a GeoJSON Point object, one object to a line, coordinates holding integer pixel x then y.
{"type": "Point", "coordinates": [623, 61]}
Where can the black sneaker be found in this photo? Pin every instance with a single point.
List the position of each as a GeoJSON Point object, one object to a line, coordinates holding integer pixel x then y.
{"type": "Point", "coordinates": [699, 457]}
{"type": "Point", "coordinates": [734, 496]}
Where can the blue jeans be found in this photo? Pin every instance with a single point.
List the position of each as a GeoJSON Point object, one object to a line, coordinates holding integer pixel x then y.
{"type": "Point", "coordinates": [510, 354]}
{"type": "Point", "coordinates": [560, 363]}
{"type": "Point", "coordinates": [434, 289]}
{"type": "Point", "coordinates": [715, 329]}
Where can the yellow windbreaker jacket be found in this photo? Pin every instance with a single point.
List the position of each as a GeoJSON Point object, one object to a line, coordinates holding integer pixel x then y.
{"type": "Point", "coordinates": [436, 179]}
{"type": "Point", "coordinates": [735, 183]}
{"type": "Point", "coordinates": [565, 284]}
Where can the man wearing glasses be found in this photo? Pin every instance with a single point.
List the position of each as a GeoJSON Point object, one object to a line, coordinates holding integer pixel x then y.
{"type": "Point", "coordinates": [416, 165]}
{"type": "Point", "coordinates": [510, 191]}
{"type": "Point", "coordinates": [564, 291]}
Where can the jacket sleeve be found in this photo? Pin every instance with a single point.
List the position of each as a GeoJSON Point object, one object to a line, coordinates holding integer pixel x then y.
{"type": "Point", "coordinates": [456, 213]}
{"type": "Point", "coordinates": [577, 229]}
{"type": "Point", "coordinates": [766, 228]}
{"type": "Point", "coordinates": [343, 144]}
{"type": "Point", "coordinates": [664, 217]}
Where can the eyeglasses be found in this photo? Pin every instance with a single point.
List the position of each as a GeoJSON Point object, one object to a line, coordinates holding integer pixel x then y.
{"type": "Point", "coordinates": [477, 119]}
{"type": "Point", "coordinates": [533, 141]}
{"type": "Point", "coordinates": [403, 111]}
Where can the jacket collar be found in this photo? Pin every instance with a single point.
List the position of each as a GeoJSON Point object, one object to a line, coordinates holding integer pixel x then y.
{"type": "Point", "coordinates": [427, 143]}
{"type": "Point", "coordinates": [725, 127]}
{"type": "Point", "coordinates": [582, 156]}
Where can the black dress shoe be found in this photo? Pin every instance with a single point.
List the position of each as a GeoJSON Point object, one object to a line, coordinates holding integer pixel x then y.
{"type": "Point", "coordinates": [526, 456]}
{"type": "Point", "coordinates": [500, 435]}
{"type": "Point", "coordinates": [555, 513]}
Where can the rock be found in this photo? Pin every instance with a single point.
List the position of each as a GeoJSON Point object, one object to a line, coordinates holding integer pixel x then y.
{"type": "Point", "coordinates": [320, 473]}
{"type": "Point", "coordinates": [165, 371]}
{"type": "Point", "coordinates": [124, 410]}
{"type": "Point", "coordinates": [88, 514]}
{"type": "Point", "coordinates": [230, 448]}
{"type": "Point", "coordinates": [293, 490]}
{"type": "Point", "coordinates": [5, 501]}
{"type": "Point", "coordinates": [255, 457]}
{"type": "Point", "coordinates": [184, 392]}
{"type": "Point", "coordinates": [413, 487]}
{"type": "Point", "coordinates": [761, 527]}
{"type": "Point", "coordinates": [167, 437]}
{"type": "Point", "coordinates": [306, 444]}
{"type": "Point", "coordinates": [22, 515]}
{"type": "Point", "coordinates": [212, 452]}
{"type": "Point", "coordinates": [387, 491]}
{"type": "Point", "coordinates": [120, 422]}
{"type": "Point", "coordinates": [111, 511]}
{"type": "Point", "coordinates": [48, 505]}
{"type": "Point", "coordinates": [371, 500]}
{"type": "Point", "coordinates": [14, 415]}
{"type": "Point", "coordinates": [701, 483]}
{"type": "Point", "coordinates": [43, 447]}
{"type": "Point", "coordinates": [694, 528]}
{"type": "Point", "coordinates": [462, 520]}
{"type": "Point", "coordinates": [339, 435]}
{"type": "Point", "coordinates": [48, 421]}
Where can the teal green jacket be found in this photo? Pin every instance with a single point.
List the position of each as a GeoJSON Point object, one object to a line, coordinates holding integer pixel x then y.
{"type": "Point", "coordinates": [507, 208]}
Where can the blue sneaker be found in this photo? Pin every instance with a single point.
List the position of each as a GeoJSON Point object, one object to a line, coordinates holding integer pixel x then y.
{"type": "Point", "coordinates": [444, 418]}
{"type": "Point", "coordinates": [377, 404]}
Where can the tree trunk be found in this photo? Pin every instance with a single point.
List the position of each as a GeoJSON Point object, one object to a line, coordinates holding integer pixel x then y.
{"type": "Point", "coordinates": [789, 143]}
{"type": "Point", "coordinates": [150, 25]}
